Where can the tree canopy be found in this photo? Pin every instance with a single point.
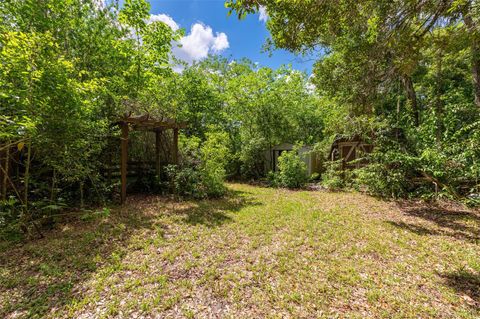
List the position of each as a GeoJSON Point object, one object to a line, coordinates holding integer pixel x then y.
{"type": "Point", "coordinates": [402, 75]}
{"type": "Point", "coordinates": [410, 65]}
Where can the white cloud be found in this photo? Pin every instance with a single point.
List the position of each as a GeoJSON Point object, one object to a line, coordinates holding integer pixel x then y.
{"type": "Point", "coordinates": [196, 45]}
{"type": "Point", "coordinates": [263, 15]}
{"type": "Point", "coordinates": [165, 19]}
{"type": "Point", "coordinates": [221, 42]}
{"type": "Point", "coordinates": [199, 43]}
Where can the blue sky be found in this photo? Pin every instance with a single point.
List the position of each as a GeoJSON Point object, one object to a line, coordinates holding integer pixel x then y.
{"type": "Point", "coordinates": [215, 32]}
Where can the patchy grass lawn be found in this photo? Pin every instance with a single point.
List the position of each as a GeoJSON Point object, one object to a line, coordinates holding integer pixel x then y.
{"type": "Point", "coordinates": [258, 253]}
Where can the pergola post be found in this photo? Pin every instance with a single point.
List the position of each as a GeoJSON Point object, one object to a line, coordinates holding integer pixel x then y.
{"type": "Point", "coordinates": [124, 159]}
{"type": "Point", "coordinates": [157, 152]}
{"type": "Point", "coordinates": [175, 146]}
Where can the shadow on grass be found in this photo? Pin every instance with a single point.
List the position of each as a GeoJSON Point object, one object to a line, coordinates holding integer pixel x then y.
{"type": "Point", "coordinates": [466, 284]}
{"type": "Point", "coordinates": [419, 230]}
{"type": "Point", "coordinates": [42, 276]}
{"type": "Point", "coordinates": [459, 224]}
{"type": "Point", "coordinates": [212, 213]}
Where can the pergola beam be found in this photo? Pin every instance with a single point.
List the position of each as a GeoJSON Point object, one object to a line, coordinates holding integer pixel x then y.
{"type": "Point", "coordinates": [145, 123]}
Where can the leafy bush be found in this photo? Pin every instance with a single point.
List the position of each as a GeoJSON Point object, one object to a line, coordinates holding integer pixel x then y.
{"type": "Point", "coordinates": [10, 211]}
{"type": "Point", "coordinates": [252, 157]}
{"type": "Point", "coordinates": [185, 181]}
{"type": "Point", "coordinates": [272, 179]}
{"type": "Point", "coordinates": [382, 182]}
{"type": "Point", "coordinates": [214, 156]}
{"type": "Point", "coordinates": [292, 170]}
{"type": "Point", "coordinates": [333, 178]}
{"type": "Point", "coordinates": [201, 173]}
{"type": "Point", "coordinates": [389, 173]}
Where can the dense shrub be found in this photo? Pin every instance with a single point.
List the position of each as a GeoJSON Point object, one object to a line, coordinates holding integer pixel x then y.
{"type": "Point", "coordinates": [185, 180]}
{"type": "Point", "coordinates": [292, 170]}
{"type": "Point", "coordinates": [400, 167]}
{"type": "Point", "coordinates": [9, 219]}
{"type": "Point", "coordinates": [334, 178]}
{"type": "Point", "coordinates": [252, 158]}
{"type": "Point", "coordinates": [214, 158]}
{"type": "Point", "coordinates": [201, 173]}
{"type": "Point", "coordinates": [377, 180]}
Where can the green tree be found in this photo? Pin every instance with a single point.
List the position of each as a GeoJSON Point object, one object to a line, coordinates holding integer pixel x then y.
{"type": "Point", "coordinates": [71, 68]}
{"type": "Point", "coordinates": [393, 66]}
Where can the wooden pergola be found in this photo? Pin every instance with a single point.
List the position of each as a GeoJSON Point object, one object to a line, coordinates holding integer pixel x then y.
{"type": "Point", "coordinates": [145, 123]}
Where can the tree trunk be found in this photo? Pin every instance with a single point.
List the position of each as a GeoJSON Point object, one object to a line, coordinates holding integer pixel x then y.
{"type": "Point", "coordinates": [175, 146]}
{"type": "Point", "coordinates": [439, 93]}
{"type": "Point", "coordinates": [476, 71]}
{"type": "Point", "coordinates": [6, 170]}
{"type": "Point", "coordinates": [26, 179]}
{"type": "Point", "coordinates": [54, 182]}
{"type": "Point", "coordinates": [81, 195]}
{"type": "Point", "coordinates": [475, 48]}
{"type": "Point", "coordinates": [412, 97]}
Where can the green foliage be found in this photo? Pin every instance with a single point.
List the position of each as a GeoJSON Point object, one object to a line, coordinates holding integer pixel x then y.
{"type": "Point", "coordinates": [257, 107]}
{"type": "Point", "coordinates": [134, 13]}
{"type": "Point", "coordinates": [10, 212]}
{"type": "Point", "coordinates": [214, 155]}
{"type": "Point", "coordinates": [201, 173]}
{"type": "Point", "coordinates": [252, 156]}
{"type": "Point", "coordinates": [392, 64]}
{"type": "Point", "coordinates": [380, 181]}
{"type": "Point", "coordinates": [69, 69]}
{"type": "Point", "coordinates": [333, 178]}
{"type": "Point", "coordinates": [292, 170]}
{"type": "Point", "coordinates": [314, 177]}
{"type": "Point", "coordinates": [186, 181]}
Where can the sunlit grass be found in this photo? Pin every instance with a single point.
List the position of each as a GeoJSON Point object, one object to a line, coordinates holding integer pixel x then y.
{"type": "Point", "coordinates": [257, 253]}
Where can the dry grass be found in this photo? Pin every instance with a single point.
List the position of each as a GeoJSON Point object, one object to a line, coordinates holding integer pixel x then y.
{"type": "Point", "coordinates": [258, 253]}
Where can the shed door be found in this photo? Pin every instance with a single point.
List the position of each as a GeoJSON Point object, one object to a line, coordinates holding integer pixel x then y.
{"type": "Point", "coordinates": [348, 153]}
{"type": "Point", "coordinates": [276, 155]}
